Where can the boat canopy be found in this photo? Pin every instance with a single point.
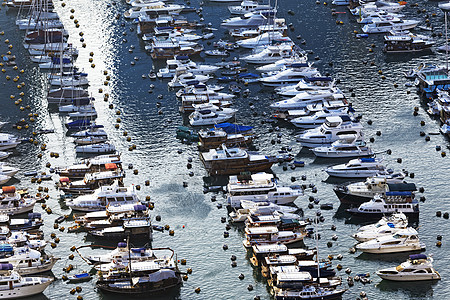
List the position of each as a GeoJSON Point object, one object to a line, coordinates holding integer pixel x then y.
{"type": "Point", "coordinates": [233, 128]}
{"type": "Point", "coordinates": [417, 256]}
{"type": "Point", "coordinates": [405, 194]}
{"type": "Point", "coordinates": [311, 79]}
{"type": "Point", "coordinates": [402, 187]}
{"type": "Point", "coordinates": [367, 159]}
{"type": "Point", "coordinates": [161, 275]}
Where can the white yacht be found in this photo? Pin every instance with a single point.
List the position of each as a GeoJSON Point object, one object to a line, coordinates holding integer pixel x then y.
{"type": "Point", "coordinates": [93, 131]}
{"type": "Point", "coordinates": [209, 114]}
{"type": "Point", "coordinates": [308, 84]}
{"type": "Point", "coordinates": [330, 131]}
{"type": "Point", "coordinates": [8, 170]}
{"type": "Point", "coordinates": [347, 146]}
{"type": "Point", "coordinates": [264, 39]}
{"type": "Point", "coordinates": [12, 203]}
{"type": "Point", "coordinates": [27, 261]}
{"type": "Point", "coordinates": [305, 98]}
{"type": "Point", "coordinates": [104, 196]}
{"type": "Point", "coordinates": [89, 140]}
{"type": "Point", "coordinates": [318, 118]}
{"type": "Point", "coordinates": [121, 254]}
{"type": "Point", "coordinates": [271, 54]}
{"type": "Point", "coordinates": [402, 241]}
{"type": "Point", "coordinates": [156, 7]}
{"type": "Point", "coordinates": [33, 24]}
{"type": "Point", "coordinates": [57, 64]}
{"type": "Point", "coordinates": [357, 168]}
{"type": "Point", "coordinates": [279, 25]}
{"type": "Point", "coordinates": [270, 235]}
{"type": "Point", "coordinates": [290, 75]}
{"type": "Point", "coordinates": [8, 141]}
{"type": "Point", "coordinates": [203, 90]}
{"type": "Point", "coordinates": [379, 206]}
{"type": "Point", "coordinates": [418, 267]}
{"type": "Point", "coordinates": [249, 20]}
{"type": "Point", "coordinates": [95, 148]}
{"type": "Point", "coordinates": [397, 219]}
{"type": "Point", "coordinates": [381, 26]}
{"type": "Point", "coordinates": [183, 61]}
{"type": "Point", "coordinates": [260, 187]}
{"type": "Point", "coordinates": [182, 77]}
{"type": "Point", "coordinates": [280, 64]}
{"type": "Point", "coordinates": [75, 108]}
{"type": "Point", "coordinates": [84, 114]}
{"type": "Point", "coordinates": [4, 179]}
{"type": "Point", "coordinates": [13, 286]}
{"type": "Point", "coordinates": [4, 155]}
{"type": "Point", "coordinates": [261, 208]}
{"type": "Point", "coordinates": [247, 6]}
{"type": "Point", "coordinates": [73, 80]}
{"type": "Point", "coordinates": [386, 229]}
{"type": "Point", "coordinates": [377, 6]}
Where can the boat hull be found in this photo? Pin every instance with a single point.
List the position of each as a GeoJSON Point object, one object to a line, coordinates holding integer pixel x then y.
{"type": "Point", "coordinates": [416, 277]}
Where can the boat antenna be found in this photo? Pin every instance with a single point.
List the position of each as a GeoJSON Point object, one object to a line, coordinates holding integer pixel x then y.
{"type": "Point", "coordinates": [129, 259]}
{"type": "Point", "coordinates": [316, 234]}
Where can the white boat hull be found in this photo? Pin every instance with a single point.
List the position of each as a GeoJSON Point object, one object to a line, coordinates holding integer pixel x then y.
{"type": "Point", "coordinates": [403, 248]}
{"type": "Point", "coordinates": [25, 291]}
{"type": "Point", "coordinates": [416, 277]}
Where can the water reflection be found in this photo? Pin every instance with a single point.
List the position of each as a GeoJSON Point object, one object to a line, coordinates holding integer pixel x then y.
{"type": "Point", "coordinates": [412, 290]}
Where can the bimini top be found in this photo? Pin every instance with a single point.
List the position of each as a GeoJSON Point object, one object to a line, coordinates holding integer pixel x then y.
{"type": "Point", "coordinates": [367, 159]}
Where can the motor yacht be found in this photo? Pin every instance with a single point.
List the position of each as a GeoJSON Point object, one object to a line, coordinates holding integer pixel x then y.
{"type": "Point", "coordinates": [247, 6]}
{"type": "Point", "coordinates": [379, 206]}
{"type": "Point", "coordinates": [380, 26]}
{"type": "Point", "coordinates": [308, 84]}
{"type": "Point", "coordinates": [330, 131]}
{"type": "Point", "coordinates": [13, 286]}
{"type": "Point", "coordinates": [270, 235]}
{"type": "Point", "coordinates": [104, 196]}
{"type": "Point", "coordinates": [4, 155]}
{"type": "Point", "coordinates": [418, 267]}
{"type": "Point", "coordinates": [249, 20]}
{"type": "Point", "coordinates": [183, 61]}
{"type": "Point", "coordinates": [95, 148]}
{"type": "Point", "coordinates": [280, 64]}
{"type": "Point", "coordinates": [230, 161]}
{"type": "Point", "coordinates": [12, 203]}
{"type": "Point", "coordinates": [402, 241]}
{"type": "Point", "coordinates": [27, 261]}
{"type": "Point", "coordinates": [305, 98]}
{"type": "Point", "coordinates": [388, 228]}
{"type": "Point", "coordinates": [290, 75]}
{"type": "Point", "coordinates": [266, 38]}
{"type": "Point", "coordinates": [359, 192]}
{"type": "Point", "coordinates": [347, 146]}
{"type": "Point", "coordinates": [8, 141]}
{"type": "Point", "coordinates": [357, 168]}
{"type": "Point", "coordinates": [397, 219]}
{"type": "Point", "coordinates": [121, 254]}
{"type": "Point", "coordinates": [8, 170]}
{"type": "Point", "coordinates": [135, 228]}
{"type": "Point", "coordinates": [156, 7]}
{"type": "Point", "coordinates": [260, 187]}
{"type": "Point", "coordinates": [261, 208]}
{"type": "Point", "coordinates": [183, 76]}
{"type": "Point", "coordinates": [318, 118]}
{"type": "Point", "coordinates": [271, 54]}
{"type": "Point", "coordinates": [209, 114]}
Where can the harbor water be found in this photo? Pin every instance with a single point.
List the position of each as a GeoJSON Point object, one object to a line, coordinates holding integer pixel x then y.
{"type": "Point", "coordinates": [161, 158]}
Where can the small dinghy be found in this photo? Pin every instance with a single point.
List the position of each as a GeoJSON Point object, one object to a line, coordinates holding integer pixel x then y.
{"type": "Point", "coordinates": [76, 278]}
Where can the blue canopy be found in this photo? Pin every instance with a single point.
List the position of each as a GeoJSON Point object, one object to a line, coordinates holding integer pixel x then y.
{"type": "Point", "coordinates": [233, 128]}
{"type": "Point", "coordinates": [57, 60]}
{"type": "Point", "coordinates": [398, 194]}
{"type": "Point", "coordinates": [82, 275]}
{"type": "Point", "coordinates": [417, 256]}
{"type": "Point", "coordinates": [367, 159]}
{"type": "Point", "coordinates": [137, 250]}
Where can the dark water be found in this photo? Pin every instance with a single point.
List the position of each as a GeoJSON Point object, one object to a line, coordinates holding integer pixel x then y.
{"type": "Point", "coordinates": [195, 219]}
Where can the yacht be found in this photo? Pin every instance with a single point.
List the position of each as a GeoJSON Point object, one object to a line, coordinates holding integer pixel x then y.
{"type": "Point", "coordinates": [308, 84]}
{"type": "Point", "coordinates": [347, 146]}
{"type": "Point", "coordinates": [70, 108]}
{"type": "Point", "coordinates": [92, 131]}
{"type": "Point", "coordinates": [386, 229]}
{"type": "Point", "coordinates": [357, 168]}
{"type": "Point", "coordinates": [270, 235]}
{"type": "Point", "coordinates": [213, 138]}
{"type": "Point", "coordinates": [8, 141]}
{"type": "Point", "coordinates": [318, 118]}
{"type": "Point", "coordinates": [203, 90]}
{"type": "Point", "coordinates": [250, 20]}
{"type": "Point", "coordinates": [104, 196]}
{"type": "Point", "coordinates": [418, 267]}
{"type": "Point", "coordinates": [4, 179]}
{"type": "Point", "coordinates": [12, 203]}
{"type": "Point", "coordinates": [380, 206]}
{"type": "Point", "coordinates": [8, 170]}
{"type": "Point", "coordinates": [73, 80]}
{"type": "Point", "coordinates": [247, 6]}
{"type": "Point", "coordinates": [4, 155]}
{"type": "Point", "coordinates": [400, 43]}
{"type": "Point", "coordinates": [330, 131]}
{"type": "Point", "coordinates": [261, 208]}
{"type": "Point", "coordinates": [121, 254]}
{"type": "Point", "coordinates": [377, 7]}
{"type": "Point", "coordinates": [271, 54]}
{"type": "Point", "coordinates": [90, 182]}
{"type": "Point", "coordinates": [136, 228]}
{"type": "Point", "coordinates": [278, 25]}
{"type": "Point", "coordinates": [157, 7]}
{"type": "Point", "coordinates": [381, 26]}
{"type": "Point", "coordinates": [27, 261]}
{"type": "Point", "coordinates": [95, 148]}
{"type": "Point", "coordinates": [292, 74]}
{"type": "Point", "coordinates": [309, 292]}
{"type": "Point", "coordinates": [266, 38]}
{"type": "Point", "coordinates": [359, 192]}
{"type": "Point", "coordinates": [260, 187]}
{"type": "Point", "coordinates": [402, 241]}
{"type": "Point", "coordinates": [280, 64]}
{"type": "Point", "coordinates": [209, 114]}
{"type": "Point", "coordinates": [397, 219]}
{"type": "Point", "coordinates": [183, 76]}
{"type": "Point", "coordinates": [13, 286]}
{"type": "Point", "coordinates": [183, 61]}
{"type": "Point", "coordinates": [229, 161]}
{"type": "Point", "coordinates": [94, 164]}
{"type": "Point", "coordinates": [305, 98]}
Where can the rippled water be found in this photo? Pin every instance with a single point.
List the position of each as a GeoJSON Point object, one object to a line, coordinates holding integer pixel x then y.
{"type": "Point", "coordinates": [196, 220]}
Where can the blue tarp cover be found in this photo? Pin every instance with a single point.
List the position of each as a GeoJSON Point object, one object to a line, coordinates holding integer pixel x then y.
{"type": "Point", "coordinates": [233, 128]}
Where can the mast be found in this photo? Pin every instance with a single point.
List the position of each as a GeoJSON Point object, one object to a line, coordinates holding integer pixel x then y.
{"type": "Point", "coordinates": [317, 247]}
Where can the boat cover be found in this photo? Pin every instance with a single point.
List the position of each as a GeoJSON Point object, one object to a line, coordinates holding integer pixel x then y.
{"type": "Point", "coordinates": [417, 256]}
{"type": "Point", "coordinates": [82, 275]}
{"type": "Point", "coordinates": [233, 128]}
{"type": "Point", "coordinates": [404, 194]}
{"type": "Point", "coordinates": [367, 159]}
{"type": "Point", "coordinates": [6, 266]}
{"type": "Point", "coordinates": [161, 275]}
{"type": "Point", "coordinates": [401, 187]}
